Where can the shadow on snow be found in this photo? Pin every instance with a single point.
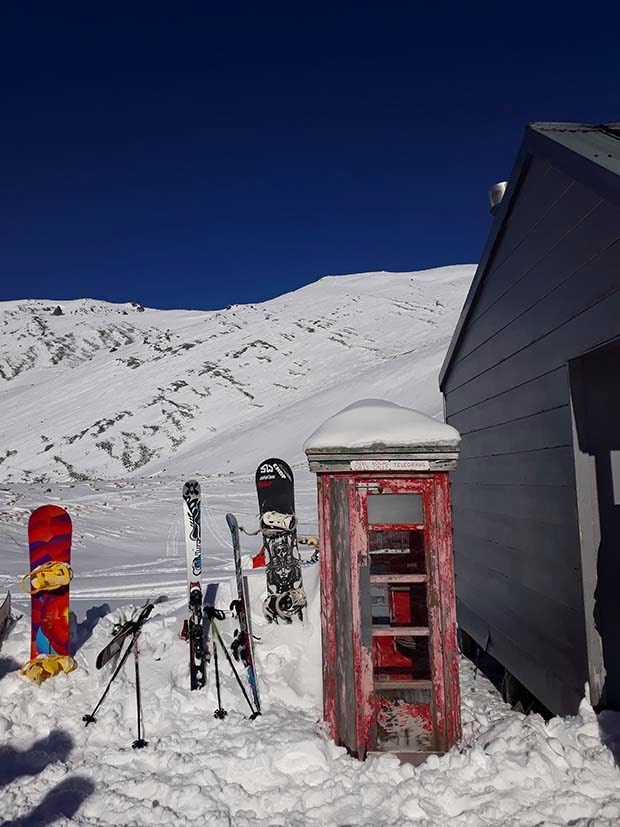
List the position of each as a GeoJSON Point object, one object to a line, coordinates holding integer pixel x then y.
{"type": "Point", "coordinates": [81, 632]}
{"type": "Point", "coordinates": [65, 798]}
{"type": "Point", "coordinates": [7, 665]}
{"type": "Point", "coordinates": [15, 763]}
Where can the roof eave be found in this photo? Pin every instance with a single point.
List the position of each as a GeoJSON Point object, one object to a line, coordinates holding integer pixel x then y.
{"type": "Point", "coordinates": [496, 226]}
{"type": "Point", "coordinates": [542, 145]}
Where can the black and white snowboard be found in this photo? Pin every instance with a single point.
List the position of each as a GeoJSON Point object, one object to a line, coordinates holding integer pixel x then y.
{"type": "Point", "coordinates": [275, 489]}
{"type": "Point", "coordinates": [191, 513]}
{"type": "Point", "coordinates": [243, 644]}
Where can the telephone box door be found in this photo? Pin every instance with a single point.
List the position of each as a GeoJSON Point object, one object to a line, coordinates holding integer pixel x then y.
{"type": "Point", "coordinates": [405, 644]}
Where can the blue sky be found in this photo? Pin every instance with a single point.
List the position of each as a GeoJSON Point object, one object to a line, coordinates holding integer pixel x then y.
{"type": "Point", "coordinates": [200, 154]}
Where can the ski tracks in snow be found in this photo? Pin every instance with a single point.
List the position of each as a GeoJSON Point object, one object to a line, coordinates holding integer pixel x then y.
{"type": "Point", "coordinates": [174, 540]}
{"type": "Point", "coordinates": [208, 520]}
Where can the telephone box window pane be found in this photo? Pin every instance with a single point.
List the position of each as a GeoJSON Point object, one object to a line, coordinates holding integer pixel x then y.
{"type": "Point", "coordinates": [395, 508]}
{"type": "Point", "coordinates": [404, 720]}
{"type": "Point", "coordinates": [396, 552]}
{"type": "Point", "coordinates": [402, 604]}
{"type": "Point", "coordinates": [400, 659]}
{"type": "Point", "coordinates": [380, 604]}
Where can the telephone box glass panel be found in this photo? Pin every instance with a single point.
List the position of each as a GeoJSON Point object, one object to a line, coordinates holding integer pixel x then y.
{"type": "Point", "coordinates": [396, 552]}
{"type": "Point", "coordinates": [399, 604]}
{"type": "Point", "coordinates": [404, 720]}
{"type": "Point", "coordinates": [399, 659]}
{"type": "Point", "coordinates": [399, 509]}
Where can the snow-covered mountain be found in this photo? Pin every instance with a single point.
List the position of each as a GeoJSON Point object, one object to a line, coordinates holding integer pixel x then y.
{"type": "Point", "coordinates": [99, 390]}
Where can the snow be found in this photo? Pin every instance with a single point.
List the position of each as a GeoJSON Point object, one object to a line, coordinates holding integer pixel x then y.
{"type": "Point", "coordinates": [378, 335]}
{"type": "Point", "coordinates": [280, 769]}
{"type": "Point", "coordinates": [371, 424]}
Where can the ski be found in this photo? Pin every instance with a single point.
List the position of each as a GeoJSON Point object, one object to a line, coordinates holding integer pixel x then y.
{"type": "Point", "coordinates": [5, 616]}
{"type": "Point", "coordinates": [243, 644]}
{"type": "Point", "coordinates": [136, 627]}
{"type": "Point", "coordinates": [122, 631]}
{"type": "Point", "coordinates": [191, 511]}
{"type": "Point", "coordinates": [275, 489]}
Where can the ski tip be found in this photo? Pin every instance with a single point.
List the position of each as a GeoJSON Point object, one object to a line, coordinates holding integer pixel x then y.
{"type": "Point", "coordinates": [232, 521]}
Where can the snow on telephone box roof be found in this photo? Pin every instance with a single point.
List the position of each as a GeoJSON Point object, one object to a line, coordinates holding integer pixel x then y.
{"type": "Point", "coordinates": [376, 434]}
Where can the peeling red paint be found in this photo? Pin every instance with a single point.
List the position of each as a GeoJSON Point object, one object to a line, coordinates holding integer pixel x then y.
{"type": "Point", "coordinates": [354, 705]}
{"type": "Point", "coordinates": [404, 710]}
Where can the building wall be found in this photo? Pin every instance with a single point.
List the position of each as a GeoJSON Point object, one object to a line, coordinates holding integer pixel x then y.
{"type": "Point", "coordinates": [550, 293]}
{"type": "Point", "coordinates": [595, 398]}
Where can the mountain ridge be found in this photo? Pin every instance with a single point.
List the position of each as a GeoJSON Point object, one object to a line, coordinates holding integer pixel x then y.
{"type": "Point", "coordinates": [105, 390]}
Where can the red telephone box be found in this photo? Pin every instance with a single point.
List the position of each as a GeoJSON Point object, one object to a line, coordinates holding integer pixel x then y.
{"type": "Point", "coordinates": [388, 613]}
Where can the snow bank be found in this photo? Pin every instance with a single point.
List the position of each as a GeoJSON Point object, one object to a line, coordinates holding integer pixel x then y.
{"type": "Point", "coordinates": [373, 423]}
{"type": "Point", "coordinates": [280, 769]}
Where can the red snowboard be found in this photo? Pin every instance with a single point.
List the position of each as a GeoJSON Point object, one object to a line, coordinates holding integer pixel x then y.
{"type": "Point", "coordinates": [49, 539]}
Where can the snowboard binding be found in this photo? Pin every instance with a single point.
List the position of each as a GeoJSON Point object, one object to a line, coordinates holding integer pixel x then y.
{"type": "Point", "coordinates": [285, 606]}
{"type": "Point", "coordinates": [42, 667]}
{"type": "Point", "coordinates": [239, 648]}
{"type": "Point", "coordinates": [274, 521]}
{"type": "Point", "coordinates": [47, 577]}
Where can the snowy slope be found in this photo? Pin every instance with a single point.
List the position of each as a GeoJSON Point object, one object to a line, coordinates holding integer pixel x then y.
{"type": "Point", "coordinates": [110, 390]}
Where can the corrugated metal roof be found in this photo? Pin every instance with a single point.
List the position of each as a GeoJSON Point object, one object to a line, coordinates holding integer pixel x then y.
{"type": "Point", "coordinates": [598, 144]}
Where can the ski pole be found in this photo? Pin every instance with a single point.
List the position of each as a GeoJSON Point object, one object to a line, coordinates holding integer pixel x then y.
{"type": "Point", "coordinates": [220, 712]}
{"type": "Point", "coordinates": [235, 673]}
{"type": "Point", "coordinates": [232, 666]}
{"type": "Point", "coordinates": [90, 719]}
{"type": "Point", "coordinates": [139, 742]}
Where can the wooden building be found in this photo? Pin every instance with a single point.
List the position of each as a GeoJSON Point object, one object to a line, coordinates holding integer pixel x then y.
{"type": "Point", "coordinates": [532, 382]}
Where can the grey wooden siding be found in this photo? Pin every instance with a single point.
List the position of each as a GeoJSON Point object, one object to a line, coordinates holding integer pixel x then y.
{"type": "Point", "coordinates": [345, 667]}
{"type": "Point", "coordinates": [551, 292]}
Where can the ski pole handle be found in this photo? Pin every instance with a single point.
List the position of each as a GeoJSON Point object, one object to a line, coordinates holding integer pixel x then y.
{"type": "Point", "coordinates": [213, 613]}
